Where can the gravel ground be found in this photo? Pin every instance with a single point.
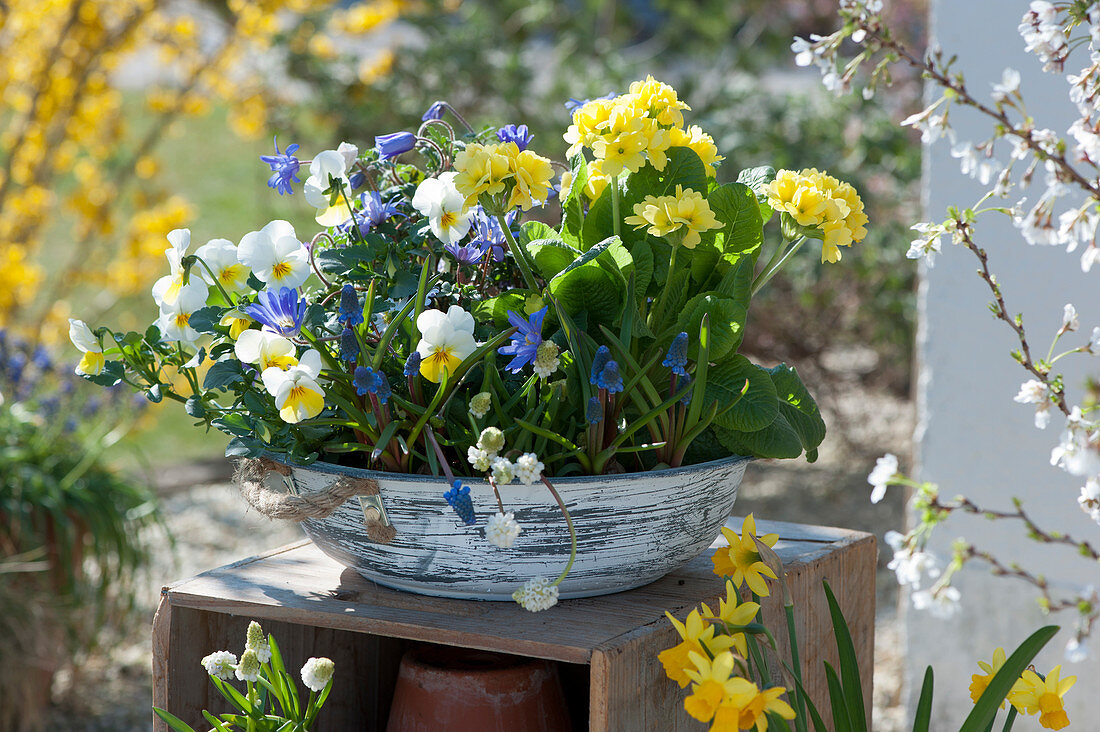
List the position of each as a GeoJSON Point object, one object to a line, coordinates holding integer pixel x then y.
{"type": "Point", "coordinates": [211, 527]}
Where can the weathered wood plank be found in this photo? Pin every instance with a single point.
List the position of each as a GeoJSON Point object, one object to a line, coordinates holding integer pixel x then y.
{"type": "Point", "coordinates": [162, 655]}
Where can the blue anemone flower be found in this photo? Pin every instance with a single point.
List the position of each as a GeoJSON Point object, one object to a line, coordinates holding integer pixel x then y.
{"type": "Point", "coordinates": [603, 355]}
{"type": "Point", "coordinates": [434, 112]}
{"type": "Point", "coordinates": [517, 134]}
{"type": "Point", "coordinates": [677, 358]}
{"type": "Point", "coordinates": [488, 234]}
{"type": "Point", "coordinates": [610, 378]}
{"type": "Point", "coordinates": [349, 311]}
{"type": "Point", "coordinates": [459, 499]}
{"type": "Point", "coordinates": [349, 345]}
{"type": "Point", "coordinates": [284, 167]}
{"type": "Point", "coordinates": [278, 312]}
{"type": "Point", "coordinates": [525, 341]}
{"type": "Point", "coordinates": [471, 252]}
{"type": "Point", "coordinates": [394, 144]}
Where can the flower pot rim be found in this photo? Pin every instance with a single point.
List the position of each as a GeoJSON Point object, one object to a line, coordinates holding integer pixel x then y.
{"type": "Point", "coordinates": [381, 475]}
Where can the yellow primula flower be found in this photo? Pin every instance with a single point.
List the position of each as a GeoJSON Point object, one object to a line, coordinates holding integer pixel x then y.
{"type": "Point", "coordinates": [622, 143]}
{"type": "Point", "coordinates": [700, 143]}
{"type": "Point", "coordinates": [531, 174]}
{"type": "Point", "coordinates": [979, 682]}
{"type": "Point", "coordinates": [696, 633]}
{"type": "Point", "coordinates": [1033, 694]}
{"type": "Point", "coordinates": [818, 201]}
{"type": "Point", "coordinates": [659, 101]}
{"type": "Point", "coordinates": [588, 124]}
{"type": "Point", "coordinates": [665, 214]}
{"type": "Point", "coordinates": [481, 169]}
{"type": "Point", "coordinates": [732, 611]}
{"type": "Point", "coordinates": [741, 561]}
{"type": "Point", "coordinates": [596, 183]}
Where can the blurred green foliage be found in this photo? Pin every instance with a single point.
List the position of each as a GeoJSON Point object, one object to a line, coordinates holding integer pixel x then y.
{"type": "Point", "coordinates": [520, 61]}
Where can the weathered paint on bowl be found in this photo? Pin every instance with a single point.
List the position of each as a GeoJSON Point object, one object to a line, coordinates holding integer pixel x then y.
{"type": "Point", "coordinates": [631, 529]}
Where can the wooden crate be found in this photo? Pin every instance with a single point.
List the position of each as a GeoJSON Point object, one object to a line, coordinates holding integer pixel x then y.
{"type": "Point", "coordinates": [606, 647]}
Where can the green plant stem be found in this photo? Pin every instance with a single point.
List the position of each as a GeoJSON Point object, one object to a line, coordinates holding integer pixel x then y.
{"type": "Point", "coordinates": [661, 295]}
{"type": "Point", "coordinates": [1010, 719]}
{"type": "Point", "coordinates": [796, 667]}
{"type": "Point", "coordinates": [214, 277]}
{"type": "Point", "coordinates": [615, 220]}
{"type": "Point", "coordinates": [519, 254]}
{"type": "Point", "coordinates": [252, 706]}
{"type": "Point", "coordinates": [771, 269]}
{"type": "Point", "coordinates": [572, 531]}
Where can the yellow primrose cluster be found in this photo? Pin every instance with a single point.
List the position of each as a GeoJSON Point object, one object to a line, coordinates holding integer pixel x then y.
{"type": "Point", "coordinates": [816, 200]}
{"type": "Point", "coordinates": [67, 154]}
{"type": "Point", "coordinates": [1031, 694]}
{"type": "Point", "coordinates": [624, 132]}
{"type": "Point", "coordinates": [501, 176]}
{"type": "Point", "coordinates": [662, 215]}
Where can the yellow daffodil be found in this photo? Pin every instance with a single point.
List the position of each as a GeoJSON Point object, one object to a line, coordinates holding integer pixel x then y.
{"type": "Point", "coordinates": [700, 143]}
{"type": "Point", "coordinates": [237, 322]}
{"type": "Point", "coordinates": [445, 208]}
{"type": "Point", "coordinates": [482, 169]}
{"type": "Point", "coordinates": [741, 562]}
{"type": "Point", "coordinates": [662, 215]}
{"type": "Point", "coordinates": [275, 255]}
{"type": "Point", "coordinates": [979, 682]}
{"type": "Point", "coordinates": [817, 201]}
{"type": "Point", "coordinates": [696, 633]}
{"type": "Point", "coordinates": [753, 712]}
{"type": "Point", "coordinates": [445, 340]}
{"type": "Point", "coordinates": [297, 395]}
{"type": "Point", "coordinates": [732, 611]}
{"type": "Point", "coordinates": [1033, 694]}
{"type": "Point", "coordinates": [220, 255]}
{"type": "Point", "coordinates": [91, 363]}
{"type": "Point", "coordinates": [266, 350]}
{"type": "Point", "coordinates": [710, 680]}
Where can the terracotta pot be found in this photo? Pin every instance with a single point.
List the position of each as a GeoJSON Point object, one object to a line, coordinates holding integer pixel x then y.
{"type": "Point", "coordinates": [462, 690]}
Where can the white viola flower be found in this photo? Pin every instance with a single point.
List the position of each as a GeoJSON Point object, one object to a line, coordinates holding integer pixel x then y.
{"type": "Point", "coordinates": [168, 289]}
{"type": "Point", "coordinates": [445, 340]}
{"type": "Point", "coordinates": [266, 350]}
{"type": "Point", "coordinates": [350, 153]}
{"type": "Point", "coordinates": [317, 672]}
{"type": "Point", "coordinates": [220, 256]}
{"type": "Point", "coordinates": [1035, 392]}
{"type": "Point", "coordinates": [1089, 500]}
{"type": "Point", "coordinates": [927, 245]}
{"type": "Point", "coordinates": [502, 529]}
{"type": "Point", "coordinates": [1009, 84]}
{"type": "Point", "coordinates": [537, 594]}
{"type": "Point", "coordinates": [529, 468]}
{"type": "Point", "coordinates": [249, 667]}
{"type": "Point", "coordinates": [220, 664]}
{"type": "Point", "coordinates": [275, 255]}
{"type": "Point", "coordinates": [445, 208]}
{"type": "Point", "coordinates": [1076, 650]}
{"type": "Point", "coordinates": [174, 320]}
{"type": "Point", "coordinates": [297, 394]}
{"type": "Point", "coordinates": [328, 168]}
{"type": "Point", "coordinates": [1069, 318]}
{"type": "Point", "coordinates": [478, 458]}
{"type": "Point", "coordinates": [504, 471]}
{"type": "Point", "coordinates": [886, 467]}
{"type": "Point", "coordinates": [92, 362]}
{"type": "Point", "coordinates": [943, 602]}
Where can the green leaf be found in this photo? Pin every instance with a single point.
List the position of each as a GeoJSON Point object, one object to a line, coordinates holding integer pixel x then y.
{"type": "Point", "coordinates": [778, 440]}
{"type": "Point", "coordinates": [342, 261]}
{"type": "Point", "coordinates": [837, 701]}
{"type": "Point", "coordinates": [797, 406]}
{"type": "Point", "coordinates": [924, 706]}
{"type": "Point", "coordinates": [223, 373]}
{"type": "Point", "coordinates": [678, 291]}
{"type": "Point", "coordinates": [591, 254]}
{"type": "Point", "coordinates": [1001, 683]}
{"type": "Point", "coordinates": [497, 307]}
{"type": "Point", "coordinates": [727, 322]}
{"type": "Point", "coordinates": [551, 256]}
{"type": "Point", "coordinates": [599, 223]}
{"type": "Point", "coordinates": [205, 320]}
{"type": "Point", "coordinates": [592, 289]}
{"type": "Point", "coordinates": [110, 375]}
{"type": "Point", "coordinates": [757, 179]}
{"type": "Point", "coordinates": [571, 201]}
{"type": "Point", "coordinates": [194, 407]}
{"type": "Point", "coordinates": [849, 665]}
{"type": "Point", "coordinates": [737, 282]}
{"type": "Point", "coordinates": [742, 229]}
{"type": "Point", "coordinates": [758, 407]}
{"type": "Point", "coordinates": [173, 721]}
{"type": "Point", "coordinates": [534, 230]}
{"type": "Point", "coordinates": [242, 447]}
{"type": "Point", "coordinates": [684, 168]}
{"type": "Point", "coordinates": [642, 254]}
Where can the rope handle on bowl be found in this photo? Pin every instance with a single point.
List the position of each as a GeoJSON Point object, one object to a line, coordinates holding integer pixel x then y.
{"type": "Point", "coordinates": [320, 504]}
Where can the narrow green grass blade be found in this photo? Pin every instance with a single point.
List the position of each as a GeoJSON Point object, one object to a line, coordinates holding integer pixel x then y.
{"type": "Point", "coordinates": [815, 716]}
{"type": "Point", "coordinates": [1001, 683]}
{"type": "Point", "coordinates": [173, 721]}
{"type": "Point", "coordinates": [924, 705]}
{"type": "Point", "coordinates": [837, 701]}
{"type": "Point", "coordinates": [849, 666]}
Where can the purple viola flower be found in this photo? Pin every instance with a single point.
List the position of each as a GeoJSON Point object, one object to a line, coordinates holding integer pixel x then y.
{"type": "Point", "coordinates": [458, 497]}
{"type": "Point", "coordinates": [278, 312]}
{"type": "Point", "coordinates": [435, 111]}
{"type": "Point", "coordinates": [284, 168]}
{"type": "Point", "coordinates": [610, 378]}
{"type": "Point", "coordinates": [488, 234]}
{"type": "Point", "coordinates": [517, 134]}
{"type": "Point", "coordinates": [471, 252]}
{"type": "Point", "coordinates": [677, 358]}
{"type": "Point", "coordinates": [394, 144]}
{"type": "Point", "coordinates": [349, 312]}
{"type": "Point", "coordinates": [603, 355]}
{"type": "Point", "coordinates": [525, 341]}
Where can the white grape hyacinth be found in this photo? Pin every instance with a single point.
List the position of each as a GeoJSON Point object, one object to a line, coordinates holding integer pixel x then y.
{"type": "Point", "coordinates": [220, 664]}
{"type": "Point", "coordinates": [317, 672]}
{"type": "Point", "coordinates": [502, 529]}
{"type": "Point", "coordinates": [537, 594]}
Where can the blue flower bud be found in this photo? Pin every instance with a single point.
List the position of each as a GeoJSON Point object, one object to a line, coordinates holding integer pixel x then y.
{"type": "Point", "coordinates": [357, 180]}
{"type": "Point", "coordinates": [458, 497]}
{"type": "Point", "coordinates": [394, 144]}
{"type": "Point", "coordinates": [412, 364]}
{"type": "Point", "coordinates": [364, 380]}
{"type": "Point", "coordinates": [434, 112]}
{"type": "Point", "coordinates": [610, 378]}
{"type": "Point", "coordinates": [382, 385]}
{"type": "Point", "coordinates": [687, 397]}
{"type": "Point", "coordinates": [603, 355]}
{"type": "Point", "coordinates": [349, 346]}
{"type": "Point", "coordinates": [349, 311]}
{"type": "Point", "coordinates": [517, 134]}
{"type": "Point", "coordinates": [676, 359]}
{"type": "Point", "coordinates": [594, 412]}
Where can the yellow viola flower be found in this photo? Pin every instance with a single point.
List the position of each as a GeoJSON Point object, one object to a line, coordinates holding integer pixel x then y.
{"type": "Point", "coordinates": [93, 360]}
{"type": "Point", "coordinates": [531, 175]}
{"type": "Point", "coordinates": [732, 611]}
{"type": "Point", "coordinates": [741, 562]}
{"type": "Point", "coordinates": [700, 143]}
{"type": "Point", "coordinates": [979, 682]}
{"type": "Point", "coordinates": [1033, 694]}
{"type": "Point", "coordinates": [297, 395]}
{"type": "Point", "coordinates": [696, 633]}
{"type": "Point", "coordinates": [481, 169]}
